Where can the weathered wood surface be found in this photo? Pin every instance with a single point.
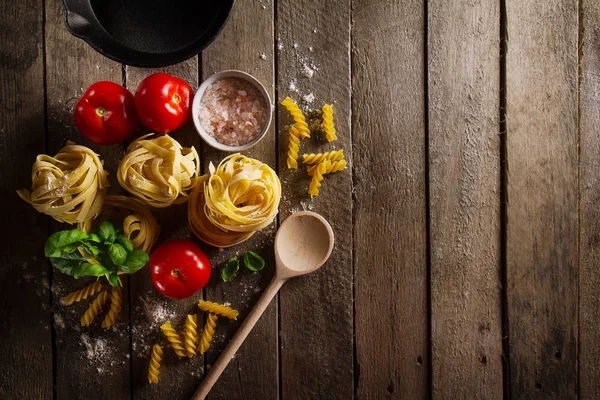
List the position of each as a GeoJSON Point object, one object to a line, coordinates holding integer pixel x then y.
{"type": "Point", "coordinates": [25, 299]}
{"type": "Point", "coordinates": [254, 372]}
{"type": "Point", "coordinates": [390, 249]}
{"type": "Point", "coordinates": [316, 321]}
{"type": "Point", "coordinates": [589, 210]}
{"type": "Point", "coordinates": [464, 186]}
{"type": "Point", "coordinates": [542, 139]}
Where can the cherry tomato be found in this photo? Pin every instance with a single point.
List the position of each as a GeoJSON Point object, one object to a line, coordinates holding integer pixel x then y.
{"type": "Point", "coordinates": [179, 268]}
{"type": "Point", "coordinates": [105, 114]}
{"type": "Point", "coordinates": [163, 102]}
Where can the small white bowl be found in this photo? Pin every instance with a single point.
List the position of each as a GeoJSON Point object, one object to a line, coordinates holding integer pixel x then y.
{"type": "Point", "coordinates": [196, 109]}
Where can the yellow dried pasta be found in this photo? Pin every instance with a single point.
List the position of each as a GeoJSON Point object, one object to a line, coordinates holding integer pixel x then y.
{"type": "Point", "coordinates": [190, 336]}
{"type": "Point", "coordinates": [319, 157]}
{"type": "Point", "coordinates": [207, 333]}
{"type": "Point", "coordinates": [70, 187]}
{"type": "Point", "coordinates": [159, 171]}
{"type": "Point", "coordinates": [293, 148]}
{"type": "Point", "coordinates": [82, 294]}
{"type": "Point", "coordinates": [317, 177]}
{"type": "Point", "coordinates": [299, 118]}
{"type": "Point", "coordinates": [330, 167]}
{"type": "Point", "coordinates": [154, 367]}
{"type": "Point", "coordinates": [327, 125]}
{"type": "Point", "coordinates": [217, 308]}
{"type": "Point", "coordinates": [173, 338]}
{"type": "Point", "coordinates": [116, 299]}
{"type": "Point", "coordinates": [94, 308]}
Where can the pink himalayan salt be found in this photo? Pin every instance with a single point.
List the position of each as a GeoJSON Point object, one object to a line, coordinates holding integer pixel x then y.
{"type": "Point", "coordinates": [232, 111]}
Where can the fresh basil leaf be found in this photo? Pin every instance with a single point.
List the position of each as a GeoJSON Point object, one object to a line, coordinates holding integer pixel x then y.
{"type": "Point", "coordinates": [91, 249]}
{"type": "Point", "coordinates": [117, 253]}
{"type": "Point", "coordinates": [113, 279]}
{"type": "Point", "coordinates": [63, 242]}
{"type": "Point", "coordinates": [94, 237]}
{"type": "Point", "coordinates": [89, 269]}
{"type": "Point", "coordinates": [135, 260]}
{"type": "Point", "coordinates": [126, 243]}
{"type": "Point", "coordinates": [253, 261]}
{"type": "Point", "coordinates": [64, 265]}
{"type": "Point", "coordinates": [107, 232]}
{"type": "Point", "coordinates": [230, 269]}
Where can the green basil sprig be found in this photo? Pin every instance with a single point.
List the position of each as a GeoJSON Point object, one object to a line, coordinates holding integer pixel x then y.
{"type": "Point", "coordinates": [252, 261]}
{"type": "Point", "coordinates": [230, 269]}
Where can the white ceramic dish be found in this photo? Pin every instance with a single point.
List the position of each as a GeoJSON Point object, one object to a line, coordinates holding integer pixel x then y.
{"type": "Point", "coordinates": [196, 109]}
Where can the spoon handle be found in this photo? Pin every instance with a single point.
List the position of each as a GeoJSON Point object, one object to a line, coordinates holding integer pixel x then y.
{"type": "Point", "coordinates": [235, 343]}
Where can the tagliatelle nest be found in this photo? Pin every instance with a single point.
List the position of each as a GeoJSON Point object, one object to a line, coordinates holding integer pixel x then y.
{"type": "Point", "coordinates": [70, 187]}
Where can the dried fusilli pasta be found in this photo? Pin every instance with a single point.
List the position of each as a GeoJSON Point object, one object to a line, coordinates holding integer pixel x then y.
{"type": "Point", "coordinates": [154, 367]}
{"type": "Point", "coordinates": [173, 338]}
{"type": "Point", "coordinates": [317, 177]}
{"type": "Point", "coordinates": [207, 333]}
{"type": "Point", "coordinates": [330, 167]}
{"type": "Point", "coordinates": [299, 118]}
{"type": "Point", "coordinates": [293, 148]}
{"type": "Point", "coordinates": [94, 308]}
{"type": "Point", "coordinates": [319, 157]}
{"type": "Point", "coordinates": [328, 126]}
{"type": "Point", "coordinates": [82, 294]}
{"type": "Point", "coordinates": [217, 308]}
{"type": "Point", "coordinates": [116, 299]}
{"type": "Point", "coordinates": [190, 336]}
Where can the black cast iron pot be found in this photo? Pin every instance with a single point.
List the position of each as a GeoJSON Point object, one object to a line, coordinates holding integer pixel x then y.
{"type": "Point", "coordinates": [147, 33]}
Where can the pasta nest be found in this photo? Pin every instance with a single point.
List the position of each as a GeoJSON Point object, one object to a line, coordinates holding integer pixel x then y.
{"type": "Point", "coordinates": [236, 199]}
{"type": "Point", "coordinates": [70, 187]}
{"type": "Point", "coordinates": [159, 171]}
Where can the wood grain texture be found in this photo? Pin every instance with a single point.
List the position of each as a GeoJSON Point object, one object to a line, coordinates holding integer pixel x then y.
{"type": "Point", "coordinates": [390, 245]}
{"type": "Point", "coordinates": [25, 298]}
{"type": "Point", "coordinates": [254, 372]}
{"type": "Point", "coordinates": [542, 139]}
{"type": "Point", "coordinates": [464, 184]}
{"type": "Point", "coordinates": [90, 362]}
{"type": "Point", "coordinates": [316, 311]}
{"type": "Point", "coordinates": [178, 378]}
{"type": "Point", "coordinates": [589, 213]}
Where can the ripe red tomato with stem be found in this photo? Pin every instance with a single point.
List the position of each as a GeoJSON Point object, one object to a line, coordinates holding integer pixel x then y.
{"type": "Point", "coordinates": [179, 268]}
{"type": "Point", "coordinates": [163, 102]}
{"type": "Point", "coordinates": [105, 114]}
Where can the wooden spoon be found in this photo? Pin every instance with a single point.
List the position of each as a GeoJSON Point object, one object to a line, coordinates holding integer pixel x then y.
{"type": "Point", "coordinates": [302, 245]}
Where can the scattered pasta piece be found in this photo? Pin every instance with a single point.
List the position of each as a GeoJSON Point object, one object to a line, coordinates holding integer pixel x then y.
{"type": "Point", "coordinates": [311, 159]}
{"type": "Point", "coordinates": [190, 336]}
{"type": "Point", "coordinates": [317, 177]}
{"type": "Point", "coordinates": [154, 367]}
{"type": "Point", "coordinates": [293, 148]}
{"type": "Point", "coordinates": [207, 333]}
{"type": "Point", "coordinates": [330, 167]}
{"type": "Point", "coordinates": [116, 299]}
{"type": "Point", "coordinates": [82, 294]}
{"type": "Point", "coordinates": [173, 338]}
{"type": "Point", "coordinates": [217, 308]}
{"type": "Point", "coordinates": [94, 308]}
{"type": "Point", "coordinates": [70, 187]}
{"type": "Point", "coordinates": [299, 118]}
{"type": "Point", "coordinates": [328, 126]}
{"type": "Point", "coordinates": [159, 171]}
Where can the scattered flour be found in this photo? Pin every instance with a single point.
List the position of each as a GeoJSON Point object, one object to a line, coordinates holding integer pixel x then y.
{"type": "Point", "coordinates": [58, 321]}
{"type": "Point", "coordinates": [307, 71]}
{"type": "Point", "coordinates": [263, 56]}
{"type": "Point", "coordinates": [309, 98]}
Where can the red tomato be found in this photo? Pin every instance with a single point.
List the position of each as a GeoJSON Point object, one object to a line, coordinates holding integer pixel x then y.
{"type": "Point", "coordinates": [105, 114]}
{"type": "Point", "coordinates": [179, 268]}
{"type": "Point", "coordinates": [163, 102]}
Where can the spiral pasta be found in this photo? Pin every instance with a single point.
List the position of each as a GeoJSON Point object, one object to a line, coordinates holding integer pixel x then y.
{"type": "Point", "coordinates": [70, 187]}
{"type": "Point", "coordinates": [207, 333]}
{"type": "Point", "coordinates": [293, 148]}
{"type": "Point", "coordinates": [154, 367]}
{"type": "Point", "coordinates": [173, 338]}
{"type": "Point", "coordinates": [330, 167]}
{"type": "Point", "coordinates": [327, 125]}
{"type": "Point", "coordinates": [317, 177]}
{"type": "Point", "coordinates": [319, 157]}
{"type": "Point", "coordinates": [190, 336]}
{"type": "Point", "coordinates": [299, 118]}
{"type": "Point", "coordinates": [116, 300]}
{"type": "Point", "coordinates": [82, 294]}
{"type": "Point", "coordinates": [159, 171]}
{"type": "Point", "coordinates": [217, 308]}
{"type": "Point", "coordinates": [94, 308]}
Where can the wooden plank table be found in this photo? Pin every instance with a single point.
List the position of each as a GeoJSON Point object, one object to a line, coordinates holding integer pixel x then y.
{"type": "Point", "coordinates": [467, 246]}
